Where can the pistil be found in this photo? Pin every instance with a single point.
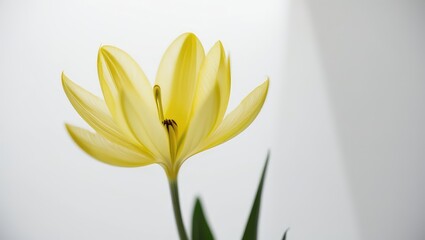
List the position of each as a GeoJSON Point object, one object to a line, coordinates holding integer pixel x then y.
{"type": "Point", "coordinates": [158, 101]}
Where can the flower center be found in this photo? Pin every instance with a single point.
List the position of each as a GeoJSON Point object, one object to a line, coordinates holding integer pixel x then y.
{"type": "Point", "coordinates": [172, 130]}
{"type": "Point", "coordinates": [169, 124]}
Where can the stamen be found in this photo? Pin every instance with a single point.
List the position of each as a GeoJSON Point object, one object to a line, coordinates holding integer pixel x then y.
{"type": "Point", "coordinates": [172, 130]}
{"type": "Point", "coordinates": [158, 101]}
{"type": "Point", "coordinates": [169, 124]}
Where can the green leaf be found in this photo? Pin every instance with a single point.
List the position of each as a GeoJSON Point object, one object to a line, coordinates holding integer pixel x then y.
{"type": "Point", "coordinates": [252, 224]}
{"type": "Point", "coordinates": [200, 228]}
{"type": "Point", "coordinates": [284, 235]}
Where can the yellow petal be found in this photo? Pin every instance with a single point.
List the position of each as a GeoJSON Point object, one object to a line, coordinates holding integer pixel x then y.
{"type": "Point", "coordinates": [224, 84]}
{"type": "Point", "coordinates": [95, 112]}
{"type": "Point", "coordinates": [105, 151]}
{"type": "Point", "coordinates": [117, 72]}
{"type": "Point", "coordinates": [177, 77]}
{"type": "Point", "coordinates": [145, 125]}
{"type": "Point", "coordinates": [207, 101]}
{"type": "Point", "coordinates": [239, 119]}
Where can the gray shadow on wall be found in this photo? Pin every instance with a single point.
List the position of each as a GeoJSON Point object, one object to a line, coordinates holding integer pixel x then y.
{"type": "Point", "coordinates": [373, 56]}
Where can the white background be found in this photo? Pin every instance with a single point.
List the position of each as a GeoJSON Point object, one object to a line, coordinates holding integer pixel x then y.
{"type": "Point", "coordinates": [343, 120]}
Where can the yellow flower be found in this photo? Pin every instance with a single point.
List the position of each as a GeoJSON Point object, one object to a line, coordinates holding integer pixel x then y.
{"type": "Point", "coordinates": [181, 115]}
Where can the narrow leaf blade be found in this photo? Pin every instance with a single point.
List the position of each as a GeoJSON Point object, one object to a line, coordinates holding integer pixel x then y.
{"type": "Point", "coordinates": [284, 234]}
{"type": "Point", "coordinates": [200, 227]}
{"type": "Point", "coordinates": [252, 224]}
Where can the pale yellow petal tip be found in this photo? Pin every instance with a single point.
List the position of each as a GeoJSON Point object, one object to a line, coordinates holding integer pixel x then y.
{"type": "Point", "coordinates": [70, 129]}
{"type": "Point", "coordinates": [184, 41]}
{"type": "Point", "coordinates": [267, 82]}
{"type": "Point", "coordinates": [188, 35]}
{"type": "Point", "coordinates": [219, 46]}
{"type": "Point", "coordinates": [105, 50]}
{"type": "Point", "coordinates": [106, 47]}
{"type": "Point", "coordinates": [265, 85]}
{"type": "Point", "coordinates": [63, 76]}
{"type": "Point", "coordinates": [217, 52]}
{"type": "Point", "coordinates": [65, 81]}
{"type": "Point", "coordinates": [187, 39]}
{"type": "Point", "coordinates": [72, 132]}
{"type": "Point", "coordinates": [68, 85]}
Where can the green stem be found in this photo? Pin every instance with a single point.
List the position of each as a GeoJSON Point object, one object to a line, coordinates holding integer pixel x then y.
{"type": "Point", "coordinates": [177, 212]}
